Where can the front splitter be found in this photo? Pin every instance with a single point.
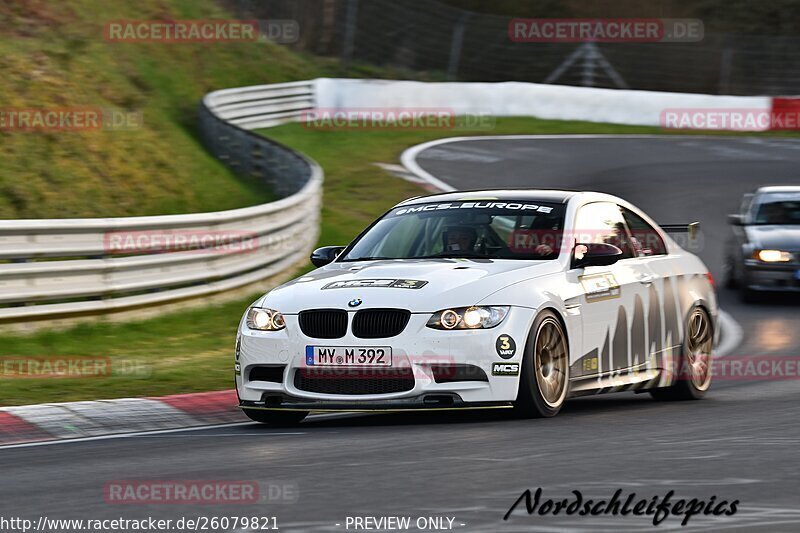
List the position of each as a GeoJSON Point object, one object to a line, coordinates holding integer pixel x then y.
{"type": "Point", "coordinates": [288, 403]}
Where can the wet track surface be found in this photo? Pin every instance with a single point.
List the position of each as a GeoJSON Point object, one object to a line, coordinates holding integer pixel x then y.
{"type": "Point", "coordinates": [740, 443]}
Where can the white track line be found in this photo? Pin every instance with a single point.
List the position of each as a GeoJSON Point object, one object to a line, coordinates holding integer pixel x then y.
{"type": "Point", "coordinates": [409, 157]}
{"type": "Point", "coordinates": [409, 160]}
{"type": "Point", "coordinates": [731, 334]}
{"type": "Point", "coordinates": [165, 431]}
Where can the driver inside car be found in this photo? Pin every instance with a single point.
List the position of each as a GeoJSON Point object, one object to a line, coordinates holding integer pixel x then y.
{"type": "Point", "coordinates": [459, 238]}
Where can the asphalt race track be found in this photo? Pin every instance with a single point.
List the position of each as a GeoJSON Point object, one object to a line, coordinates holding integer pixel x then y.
{"type": "Point", "coordinates": [740, 443]}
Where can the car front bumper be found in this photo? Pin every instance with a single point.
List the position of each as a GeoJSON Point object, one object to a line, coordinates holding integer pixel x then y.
{"type": "Point", "coordinates": [422, 403]}
{"type": "Point", "coordinates": [417, 352]}
{"type": "Point", "coordinates": [777, 277]}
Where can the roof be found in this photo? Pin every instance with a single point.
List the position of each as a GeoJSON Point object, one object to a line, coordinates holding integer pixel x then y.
{"type": "Point", "coordinates": [778, 188]}
{"type": "Point", "coordinates": [541, 195]}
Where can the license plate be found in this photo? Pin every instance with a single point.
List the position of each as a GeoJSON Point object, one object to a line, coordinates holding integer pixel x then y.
{"type": "Point", "coordinates": [348, 356]}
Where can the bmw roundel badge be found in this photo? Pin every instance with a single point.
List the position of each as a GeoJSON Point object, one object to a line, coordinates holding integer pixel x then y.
{"type": "Point", "coordinates": [355, 302]}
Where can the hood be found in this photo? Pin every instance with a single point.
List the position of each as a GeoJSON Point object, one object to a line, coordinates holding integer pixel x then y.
{"type": "Point", "coordinates": [420, 285]}
{"type": "Point", "coordinates": [774, 237]}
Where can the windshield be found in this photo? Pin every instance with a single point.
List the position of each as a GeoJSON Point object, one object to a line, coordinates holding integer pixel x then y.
{"type": "Point", "coordinates": [778, 209]}
{"type": "Point", "coordinates": [467, 229]}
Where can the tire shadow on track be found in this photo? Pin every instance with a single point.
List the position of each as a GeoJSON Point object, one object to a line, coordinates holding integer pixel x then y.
{"type": "Point", "coordinates": [766, 299]}
{"type": "Point", "coordinates": [575, 408]}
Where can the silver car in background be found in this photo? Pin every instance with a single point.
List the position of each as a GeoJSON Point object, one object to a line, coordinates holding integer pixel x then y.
{"type": "Point", "coordinates": [763, 253]}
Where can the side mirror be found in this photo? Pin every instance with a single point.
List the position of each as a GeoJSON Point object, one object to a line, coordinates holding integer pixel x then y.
{"type": "Point", "coordinates": [735, 220]}
{"type": "Point", "coordinates": [595, 254]}
{"type": "Point", "coordinates": [322, 256]}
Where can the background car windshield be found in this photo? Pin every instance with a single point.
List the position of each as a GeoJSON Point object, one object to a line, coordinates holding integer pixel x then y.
{"type": "Point", "coordinates": [778, 209]}
{"type": "Point", "coordinates": [490, 229]}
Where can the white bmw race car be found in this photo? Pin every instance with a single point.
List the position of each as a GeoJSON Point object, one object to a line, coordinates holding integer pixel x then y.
{"type": "Point", "coordinates": [497, 298]}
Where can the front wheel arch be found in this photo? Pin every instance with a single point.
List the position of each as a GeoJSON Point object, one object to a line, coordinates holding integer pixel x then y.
{"type": "Point", "coordinates": [558, 316]}
{"type": "Point", "coordinates": [682, 387]}
{"type": "Point", "coordinates": [530, 335]}
{"type": "Point", "coordinates": [530, 400]}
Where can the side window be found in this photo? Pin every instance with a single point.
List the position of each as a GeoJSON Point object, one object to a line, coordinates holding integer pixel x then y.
{"type": "Point", "coordinates": [644, 237]}
{"type": "Point", "coordinates": [748, 202]}
{"type": "Point", "coordinates": [602, 222]}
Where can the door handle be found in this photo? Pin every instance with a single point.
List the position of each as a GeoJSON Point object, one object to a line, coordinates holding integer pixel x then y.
{"type": "Point", "coordinates": [646, 279]}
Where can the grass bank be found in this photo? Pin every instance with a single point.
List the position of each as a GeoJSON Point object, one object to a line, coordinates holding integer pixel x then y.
{"type": "Point", "coordinates": [54, 56]}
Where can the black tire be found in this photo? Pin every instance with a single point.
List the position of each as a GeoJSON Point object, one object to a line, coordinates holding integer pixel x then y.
{"type": "Point", "coordinates": [276, 418]}
{"type": "Point", "coordinates": [548, 368]}
{"type": "Point", "coordinates": [748, 296]}
{"type": "Point", "coordinates": [730, 275]}
{"type": "Point", "coordinates": [691, 384]}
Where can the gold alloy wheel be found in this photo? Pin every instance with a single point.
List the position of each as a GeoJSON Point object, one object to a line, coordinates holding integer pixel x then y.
{"type": "Point", "coordinates": [700, 342]}
{"type": "Point", "coordinates": [550, 362]}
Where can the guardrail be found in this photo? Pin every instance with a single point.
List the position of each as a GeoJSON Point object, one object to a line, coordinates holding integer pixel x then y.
{"type": "Point", "coordinates": [66, 267]}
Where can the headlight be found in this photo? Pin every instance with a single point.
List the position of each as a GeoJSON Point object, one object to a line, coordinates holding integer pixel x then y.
{"type": "Point", "coordinates": [773, 256]}
{"type": "Point", "coordinates": [475, 317]}
{"type": "Point", "coordinates": [264, 319]}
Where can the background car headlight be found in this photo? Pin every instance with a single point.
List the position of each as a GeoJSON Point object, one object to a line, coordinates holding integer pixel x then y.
{"type": "Point", "coordinates": [773, 256]}
{"type": "Point", "coordinates": [264, 319]}
{"type": "Point", "coordinates": [475, 317]}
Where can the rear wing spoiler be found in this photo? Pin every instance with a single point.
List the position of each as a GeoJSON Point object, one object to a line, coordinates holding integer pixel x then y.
{"type": "Point", "coordinates": [687, 236]}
